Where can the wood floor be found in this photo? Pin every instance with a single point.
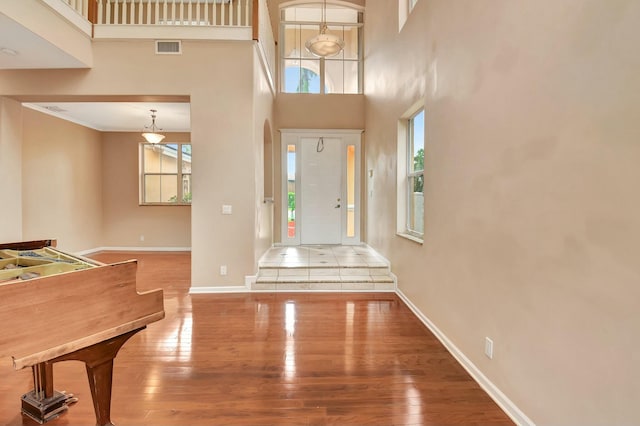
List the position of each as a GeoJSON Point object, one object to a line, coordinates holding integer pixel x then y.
{"type": "Point", "coordinates": [269, 359]}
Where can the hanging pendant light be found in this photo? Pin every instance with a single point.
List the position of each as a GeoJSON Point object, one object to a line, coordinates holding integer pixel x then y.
{"type": "Point", "coordinates": [324, 45]}
{"type": "Point", "coordinates": [152, 136]}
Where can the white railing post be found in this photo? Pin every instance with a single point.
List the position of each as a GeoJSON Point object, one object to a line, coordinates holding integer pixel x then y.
{"type": "Point", "coordinates": [100, 21]}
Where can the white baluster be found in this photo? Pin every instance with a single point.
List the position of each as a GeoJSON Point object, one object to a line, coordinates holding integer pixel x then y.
{"type": "Point", "coordinates": [149, 11]}
{"type": "Point", "coordinates": [100, 12]}
{"type": "Point", "coordinates": [223, 8]}
{"type": "Point", "coordinates": [190, 13]}
{"type": "Point", "coordinates": [140, 10]}
{"type": "Point", "coordinates": [206, 13]}
{"type": "Point", "coordinates": [214, 21]}
{"type": "Point", "coordinates": [247, 20]}
{"type": "Point", "coordinates": [197, 13]}
{"type": "Point", "coordinates": [132, 12]}
{"type": "Point", "coordinates": [173, 11]}
{"type": "Point", "coordinates": [181, 12]}
{"type": "Point", "coordinates": [164, 12]}
{"type": "Point", "coordinates": [116, 12]}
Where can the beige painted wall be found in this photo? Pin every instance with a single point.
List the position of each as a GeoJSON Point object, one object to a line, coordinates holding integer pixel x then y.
{"type": "Point", "coordinates": [218, 77]}
{"type": "Point", "coordinates": [10, 170]}
{"type": "Point", "coordinates": [61, 182]}
{"type": "Point", "coordinates": [124, 220]}
{"type": "Point", "coordinates": [531, 196]}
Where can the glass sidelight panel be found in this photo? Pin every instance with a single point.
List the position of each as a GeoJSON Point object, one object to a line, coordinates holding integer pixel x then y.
{"type": "Point", "coordinates": [351, 190]}
{"type": "Point", "coordinates": [291, 191]}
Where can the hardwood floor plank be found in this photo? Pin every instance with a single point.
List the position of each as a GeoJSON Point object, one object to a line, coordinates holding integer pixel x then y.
{"type": "Point", "coordinates": [270, 359]}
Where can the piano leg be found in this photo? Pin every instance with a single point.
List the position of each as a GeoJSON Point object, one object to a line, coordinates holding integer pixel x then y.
{"type": "Point", "coordinates": [99, 363]}
{"type": "Point", "coordinates": [43, 403]}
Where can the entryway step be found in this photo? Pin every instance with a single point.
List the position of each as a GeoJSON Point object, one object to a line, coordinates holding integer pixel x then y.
{"type": "Point", "coordinates": [325, 268]}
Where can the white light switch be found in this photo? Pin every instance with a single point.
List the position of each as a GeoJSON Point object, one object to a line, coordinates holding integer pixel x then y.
{"type": "Point", "coordinates": [227, 209]}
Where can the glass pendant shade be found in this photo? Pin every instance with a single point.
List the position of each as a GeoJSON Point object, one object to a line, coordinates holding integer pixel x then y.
{"type": "Point", "coordinates": [151, 135]}
{"type": "Point", "coordinates": [324, 44]}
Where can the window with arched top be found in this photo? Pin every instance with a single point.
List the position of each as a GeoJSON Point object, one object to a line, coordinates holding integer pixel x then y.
{"type": "Point", "coordinates": [300, 70]}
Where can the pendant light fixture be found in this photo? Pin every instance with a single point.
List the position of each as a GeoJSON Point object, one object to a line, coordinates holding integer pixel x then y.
{"type": "Point", "coordinates": [324, 45]}
{"type": "Point", "coordinates": [152, 136]}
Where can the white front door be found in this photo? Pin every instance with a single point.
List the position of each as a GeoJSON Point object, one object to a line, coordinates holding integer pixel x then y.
{"type": "Point", "coordinates": [321, 191]}
{"type": "Point", "coordinates": [320, 187]}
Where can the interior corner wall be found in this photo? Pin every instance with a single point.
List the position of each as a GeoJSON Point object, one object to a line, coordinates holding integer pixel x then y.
{"type": "Point", "coordinates": [62, 182]}
{"type": "Point", "coordinates": [11, 170]}
{"type": "Point", "coordinates": [127, 224]}
{"type": "Point", "coordinates": [263, 105]}
{"type": "Point", "coordinates": [532, 212]}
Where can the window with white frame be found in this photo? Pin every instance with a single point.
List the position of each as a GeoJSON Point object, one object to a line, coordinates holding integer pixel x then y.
{"type": "Point", "coordinates": [302, 72]}
{"type": "Point", "coordinates": [411, 137]}
{"type": "Point", "coordinates": [165, 177]}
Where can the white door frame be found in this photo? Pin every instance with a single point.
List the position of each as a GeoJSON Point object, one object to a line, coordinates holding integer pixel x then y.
{"type": "Point", "coordinates": [294, 137]}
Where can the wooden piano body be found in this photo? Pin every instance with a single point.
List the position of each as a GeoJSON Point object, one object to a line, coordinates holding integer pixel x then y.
{"type": "Point", "coordinates": [75, 309]}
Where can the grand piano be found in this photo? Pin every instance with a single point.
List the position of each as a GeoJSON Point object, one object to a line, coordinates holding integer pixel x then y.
{"type": "Point", "coordinates": [55, 306]}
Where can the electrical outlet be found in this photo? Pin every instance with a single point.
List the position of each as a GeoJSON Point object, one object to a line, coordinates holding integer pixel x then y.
{"type": "Point", "coordinates": [141, 237]}
{"type": "Point", "coordinates": [223, 270]}
{"type": "Point", "coordinates": [488, 347]}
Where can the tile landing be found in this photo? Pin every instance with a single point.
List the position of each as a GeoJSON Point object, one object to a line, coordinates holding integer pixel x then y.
{"type": "Point", "coordinates": [323, 268]}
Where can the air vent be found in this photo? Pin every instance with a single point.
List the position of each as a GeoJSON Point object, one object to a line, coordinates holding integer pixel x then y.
{"type": "Point", "coordinates": [54, 108]}
{"type": "Point", "coordinates": [168, 47]}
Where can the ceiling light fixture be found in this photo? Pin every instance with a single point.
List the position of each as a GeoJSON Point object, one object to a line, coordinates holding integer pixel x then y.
{"type": "Point", "coordinates": [153, 136]}
{"type": "Point", "coordinates": [324, 45]}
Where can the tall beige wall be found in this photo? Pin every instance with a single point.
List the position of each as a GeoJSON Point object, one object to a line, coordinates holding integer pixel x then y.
{"type": "Point", "coordinates": [11, 170]}
{"type": "Point", "coordinates": [61, 182]}
{"type": "Point", "coordinates": [531, 191]}
{"type": "Point", "coordinates": [125, 222]}
{"type": "Point", "coordinates": [263, 99]}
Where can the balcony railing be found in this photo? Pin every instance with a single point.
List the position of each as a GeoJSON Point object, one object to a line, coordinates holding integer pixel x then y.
{"type": "Point", "coordinates": [236, 13]}
{"type": "Point", "coordinates": [189, 19]}
{"type": "Point", "coordinates": [215, 13]}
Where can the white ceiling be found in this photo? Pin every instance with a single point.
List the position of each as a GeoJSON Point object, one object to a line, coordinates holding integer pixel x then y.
{"type": "Point", "coordinates": [120, 116]}
{"type": "Point", "coordinates": [23, 49]}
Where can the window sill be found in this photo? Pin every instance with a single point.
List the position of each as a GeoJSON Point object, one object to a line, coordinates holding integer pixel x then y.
{"type": "Point", "coordinates": [410, 237]}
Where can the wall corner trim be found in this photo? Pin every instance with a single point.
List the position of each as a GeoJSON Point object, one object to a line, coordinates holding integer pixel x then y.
{"type": "Point", "coordinates": [500, 398]}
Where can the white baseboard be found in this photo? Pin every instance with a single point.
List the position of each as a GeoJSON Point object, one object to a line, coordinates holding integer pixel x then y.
{"type": "Point", "coordinates": [97, 249]}
{"type": "Point", "coordinates": [221, 289]}
{"type": "Point", "coordinates": [492, 390]}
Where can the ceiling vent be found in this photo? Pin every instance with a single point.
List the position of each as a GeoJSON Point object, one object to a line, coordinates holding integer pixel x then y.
{"type": "Point", "coordinates": [168, 47]}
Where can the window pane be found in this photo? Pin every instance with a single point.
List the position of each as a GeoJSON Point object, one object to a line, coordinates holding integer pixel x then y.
{"type": "Point", "coordinates": [351, 190]}
{"type": "Point", "coordinates": [291, 191]}
{"type": "Point", "coordinates": [341, 77]}
{"type": "Point", "coordinates": [169, 160]}
{"type": "Point", "coordinates": [350, 36]}
{"type": "Point", "coordinates": [151, 158]}
{"type": "Point", "coordinates": [415, 212]}
{"type": "Point", "coordinates": [168, 189]}
{"type": "Point", "coordinates": [416, 134]}
{"type": "Point", "coordinates": [152, 189]}
{"type": "Point", "coordinates": [300, 77]}
{"type": "Point", "coordinates": [186, 188]}
{"type": "Point", "coordinates": [186, 158]}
